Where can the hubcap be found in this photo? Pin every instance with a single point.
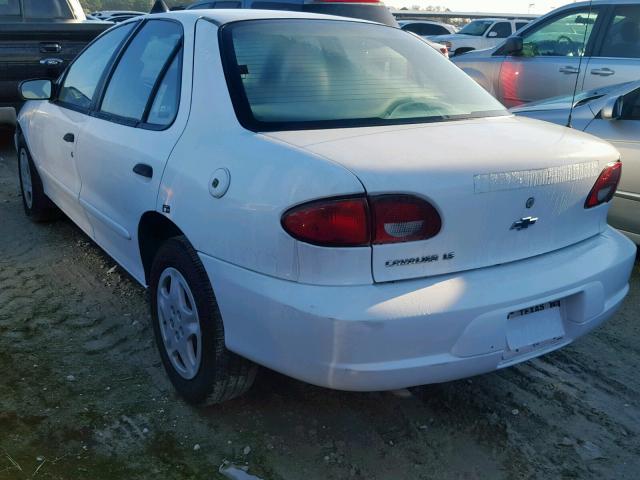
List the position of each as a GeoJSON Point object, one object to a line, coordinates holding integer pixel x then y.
{"type": "Point", "coordinates": [25, 175]}
{"type": "Point", "coordinates": [179, 323]}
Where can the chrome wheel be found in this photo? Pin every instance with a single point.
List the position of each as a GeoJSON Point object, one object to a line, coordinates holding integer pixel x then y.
{"type": "Point", "coordinates": [179, 323]}
{"type": "Point", "coordinates": [25, 178]}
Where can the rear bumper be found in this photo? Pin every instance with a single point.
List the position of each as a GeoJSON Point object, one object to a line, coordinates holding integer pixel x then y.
{"type": "Point", "coordinates": [395, 335]}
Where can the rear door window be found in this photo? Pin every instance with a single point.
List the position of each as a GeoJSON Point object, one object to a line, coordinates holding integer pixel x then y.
{"type": "Point", "coordinates": [81, 81]}
{"type": "Point", "coordinates": [622, 39]}
{"type": "Point", "coordinates": [141, 66]}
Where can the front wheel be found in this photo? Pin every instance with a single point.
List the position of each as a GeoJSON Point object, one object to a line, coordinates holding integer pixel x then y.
{"type": "Point", "coordinates": [189, 331]}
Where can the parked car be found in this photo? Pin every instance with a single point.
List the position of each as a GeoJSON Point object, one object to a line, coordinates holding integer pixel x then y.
{"type": "Point", "coordinates": [373, 10]}
{"type": "Point", "coordinates": [611, 113]}
{"type": "Point", "coordinates": [480, 34]}
{"type": "Point", "coordinates": [426, 28]}
{"type": "Point", "coordinates": [264, 174]}
{"type": "Point", "coordinates": [543, 60]}
{"type": "Point", "coordinates": [39, 39]}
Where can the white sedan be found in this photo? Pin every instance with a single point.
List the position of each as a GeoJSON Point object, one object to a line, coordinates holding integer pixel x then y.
{"type": "Point", "coordinates": [287, 187]}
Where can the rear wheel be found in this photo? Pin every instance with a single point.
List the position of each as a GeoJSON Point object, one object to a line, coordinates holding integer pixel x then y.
{"type": "Point", "coordinates": [37, 205]}
{"type": "Point", "coordinates": [189, 331]}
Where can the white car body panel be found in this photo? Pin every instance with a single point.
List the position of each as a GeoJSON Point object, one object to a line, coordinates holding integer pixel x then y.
{"type": "Point", "coordinates": [322, 314]}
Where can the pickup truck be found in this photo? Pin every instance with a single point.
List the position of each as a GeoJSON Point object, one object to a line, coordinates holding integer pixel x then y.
{"type": "Point", "coordinates": [38, 39]}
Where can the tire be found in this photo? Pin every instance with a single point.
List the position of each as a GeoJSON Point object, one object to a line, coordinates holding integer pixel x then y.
{"type": "Point", "coordinates": [202, 370]}
{"type": "Point", "coordinates": [37, 205]}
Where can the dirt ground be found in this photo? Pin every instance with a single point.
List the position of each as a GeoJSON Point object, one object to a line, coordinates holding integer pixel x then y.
{"type": "Point", "coordinates": [83, 394]}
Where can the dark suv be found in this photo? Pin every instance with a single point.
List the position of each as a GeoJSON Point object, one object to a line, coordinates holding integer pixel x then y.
{"type": "Point", "coordinates": [373, 10]}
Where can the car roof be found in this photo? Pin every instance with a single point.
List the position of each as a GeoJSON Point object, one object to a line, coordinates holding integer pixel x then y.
{"type": "Point", "coordinates": [223, 16]}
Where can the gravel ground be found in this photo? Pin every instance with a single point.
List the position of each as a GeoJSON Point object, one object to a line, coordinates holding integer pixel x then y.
{"type": "Point", "coordinates": [83, 394]}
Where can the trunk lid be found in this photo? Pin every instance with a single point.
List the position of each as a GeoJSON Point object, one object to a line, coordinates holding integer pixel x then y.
{"type": "Point", "coordinates": [488, 178]}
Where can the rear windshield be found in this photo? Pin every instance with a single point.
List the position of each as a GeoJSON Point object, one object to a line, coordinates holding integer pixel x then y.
{"type": "Point", "coordinates": [9, 8]}
{"type": "Point", "coordinates": [40, 9]}
{"type": "Point", "coordinates": [297, 74]}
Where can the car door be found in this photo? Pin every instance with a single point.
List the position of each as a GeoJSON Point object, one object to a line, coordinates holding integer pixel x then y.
{"type": "Point", "coordinates": [136, 123]}
{"type": "Point", "coordinates": [617, 60]}
{"type": "Point", "coordinates": [550, 60]}
{"type": "Point", "coordinates": [624, 134]}
{"type": "Point", "coordinates": [60, 124]}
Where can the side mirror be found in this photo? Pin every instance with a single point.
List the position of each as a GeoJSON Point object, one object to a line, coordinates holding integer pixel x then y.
{"type": "Point", "coordinates": [612, 110]}
{"type": "Point", "coordinates": [7, 117]}
{"type": "Point", "coordinates": [513, 45]}
{"type": "Point", "coordinates": [36, 89]}
{"type": "Point", "coordinates": [492, 34]}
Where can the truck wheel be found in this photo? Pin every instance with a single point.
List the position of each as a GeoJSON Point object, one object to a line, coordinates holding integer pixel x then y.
{"type": "Point", "coordinates": [37, 205]}
{"type": "Point", "coordinates": [189, 331]}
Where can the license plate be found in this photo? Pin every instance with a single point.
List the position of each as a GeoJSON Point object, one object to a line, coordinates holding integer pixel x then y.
{"type": "Point", "coordinates": [535, 309]}
{"type": "Point", "coordinates": [535, 325]}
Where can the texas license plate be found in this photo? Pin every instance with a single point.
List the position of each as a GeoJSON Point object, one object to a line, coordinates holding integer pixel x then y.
{"type": "Point", "coordinates": [535, 325]}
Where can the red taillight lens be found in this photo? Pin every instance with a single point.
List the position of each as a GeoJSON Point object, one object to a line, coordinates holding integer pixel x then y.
{"type": "Point", "coordinates": [360, 221]}
{"type": "Point", "coordinates": [332, 223]}
{"type": "Point", "coordinates": [403, 218]}
{"type": "Point", "coordinates": [605, 186]}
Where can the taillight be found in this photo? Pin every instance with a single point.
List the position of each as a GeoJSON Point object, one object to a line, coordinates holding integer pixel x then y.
{"type": "Point", "coordinates": [332, 223]}
{"type": "Point", "coordinates": [606, 185]}
{"type": "Point", "coordinates": [403, 218]}
{"type": "Point", "coordinates": [360, 221]}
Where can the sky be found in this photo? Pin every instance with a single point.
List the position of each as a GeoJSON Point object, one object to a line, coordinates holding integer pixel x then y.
{"type": "Point", "coordinates": [501, 6]}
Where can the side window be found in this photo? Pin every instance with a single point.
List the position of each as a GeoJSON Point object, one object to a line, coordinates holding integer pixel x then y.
{"type": "Point", "coordinates": [623, 34]}
{"type": "Point", "coordinates": [631, 106]}
{"type": "Point", "coordinates": [564, 36]}
{"type": "Point", "coordinates": [137, 72]}
{"type": "Point", "coordinates": [500, 30]}
{"type": "Point", "coordinates": [521, 25]}
{"type": "Point", "coordinates": [79, 85]}
{"type": "Point", "coordinates": [165, 104]}
{"type": "Point", "coordinates": [227, 5]}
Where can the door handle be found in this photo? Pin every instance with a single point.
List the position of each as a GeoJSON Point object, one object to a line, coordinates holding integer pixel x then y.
{"type": "Point", "coordinates": [603, 72]}
{"type": "Point", "coordinates": [69, 137]}
{"type": "Point", "coordinates": [143, 170]}
{"type": "Point", "coordinates": [46, 47]}
{"type": "Point", "coordinates": [569, 70]}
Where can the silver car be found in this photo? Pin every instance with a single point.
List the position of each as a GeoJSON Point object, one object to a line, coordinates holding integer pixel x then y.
{"type": "Point", "coordinates": [544, 59]}
{"type": "Point", "coordinates": [611, 113]}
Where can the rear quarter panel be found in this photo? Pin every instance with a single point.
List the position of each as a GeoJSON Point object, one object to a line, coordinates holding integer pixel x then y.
{"type": "Point", "coordinates": [267, 178]}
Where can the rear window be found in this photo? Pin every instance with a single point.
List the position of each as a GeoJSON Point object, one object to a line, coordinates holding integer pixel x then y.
{"type": "Point", "coordinates": [297, 74]}
{"type": "Point", "coordinates": [9, 8]}
{"type": "Point", "coordinates": [58, 9]}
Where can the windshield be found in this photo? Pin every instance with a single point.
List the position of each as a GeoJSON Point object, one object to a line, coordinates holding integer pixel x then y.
{"type": "Point", "coordinates": [476, 28]}
{"type": "Point", "coordinates": [296, 74]}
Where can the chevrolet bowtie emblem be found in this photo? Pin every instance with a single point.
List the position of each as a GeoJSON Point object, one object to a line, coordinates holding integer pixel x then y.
{"type": "Point", "coordinates": [524, 223]}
